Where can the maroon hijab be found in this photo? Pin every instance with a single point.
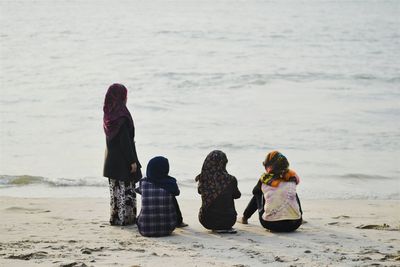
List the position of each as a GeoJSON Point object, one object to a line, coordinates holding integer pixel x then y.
{"type": "Point", "coordinates": [115, 110]}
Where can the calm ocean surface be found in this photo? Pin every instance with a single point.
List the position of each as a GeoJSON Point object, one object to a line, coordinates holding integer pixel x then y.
{"type": "Point", "coordinates": [317, 80]}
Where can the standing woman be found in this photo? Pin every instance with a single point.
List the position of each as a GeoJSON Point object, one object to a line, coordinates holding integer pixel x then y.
{"type": "Point", "coordinates": [121, 164]}
{"type": "Point", "coordinates": [218, 190]}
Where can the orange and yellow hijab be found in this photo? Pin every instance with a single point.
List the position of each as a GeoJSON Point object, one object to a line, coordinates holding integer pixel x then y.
{"type": "Point", "coordinates": [277, 170]}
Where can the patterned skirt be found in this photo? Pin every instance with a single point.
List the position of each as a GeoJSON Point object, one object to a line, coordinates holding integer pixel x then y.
{"type": "Point", "coordinates": [123, 202]}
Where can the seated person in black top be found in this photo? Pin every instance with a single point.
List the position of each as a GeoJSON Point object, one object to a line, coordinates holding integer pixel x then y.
{"type": "Point", "coordinates": [218, 190]}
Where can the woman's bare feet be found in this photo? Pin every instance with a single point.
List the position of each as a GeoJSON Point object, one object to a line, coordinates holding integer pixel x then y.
{"type": "Point", "coordinates": [242, 220]}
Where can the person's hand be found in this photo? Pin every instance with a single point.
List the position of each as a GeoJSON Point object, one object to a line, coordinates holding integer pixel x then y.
{"type": "Point", "coordinates": [133, 167]}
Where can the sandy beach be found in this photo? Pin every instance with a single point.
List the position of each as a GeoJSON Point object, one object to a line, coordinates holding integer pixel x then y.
{"type": "Point", "coordinates": [317, 80]}
{"type": "Point", "coordinates": [75, 232]}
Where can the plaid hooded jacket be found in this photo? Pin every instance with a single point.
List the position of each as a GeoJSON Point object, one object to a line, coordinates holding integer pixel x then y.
{"type": "Point", "coordinates": [158, 215]}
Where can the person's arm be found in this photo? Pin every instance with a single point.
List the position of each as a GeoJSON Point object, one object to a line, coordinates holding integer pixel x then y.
{"type": "Point", "coordinates": [135, 156]}
{"type": "Point", "coordinates": [257, 189]}
{"type": "Point", "coordinates": [236, 193]}
{"type": "Point", "coordinates": [125, 143]}
{"type": "Point", "coordinates": [175, 189]}
{"type": "Point", "coordinates": [139, 188]}
{"type": "Point", "coordinates": [298, 201]}
{"type": "Point", "coordinates": [198, 189]}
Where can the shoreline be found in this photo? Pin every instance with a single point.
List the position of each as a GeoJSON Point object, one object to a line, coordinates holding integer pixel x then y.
{"type": "Point", "coordinates": [75, 232]}
{"type": "Point", "coordinates": [187, 192]}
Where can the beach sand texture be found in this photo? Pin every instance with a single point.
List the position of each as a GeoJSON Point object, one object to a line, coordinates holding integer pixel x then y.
{"type": "Point", "coordinates": [76, 232]}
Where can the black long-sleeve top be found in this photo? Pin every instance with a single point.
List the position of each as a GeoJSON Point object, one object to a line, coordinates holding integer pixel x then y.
{"type": "Point", "coordinates": [221, 214]}
{"type": "Point", "coordinates": [120, 155]}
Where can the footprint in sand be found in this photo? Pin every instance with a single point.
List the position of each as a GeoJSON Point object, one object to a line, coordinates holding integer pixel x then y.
{"type": "Point", "coordinates": [198, 245]}
{"type": "Point", "coordinates": [391, 257]}
{"type": "Point", "coordinates": [74, 264]}
{"type": "Point", "coordinates": [333, 223]}
{"type": "Point", "coordinates": [284, 259]}
{"type": "Point", "coordinates": [26, 210]}
{"type": "Point", "coordinates": [33, 255]}
{"type": "Point", "coordinates": [90, 250]}
{"type": "Point", "coordinates": [378, 227]}
{"type": "Point", "coordinates": [341, 217]}
{"type": "Point", "coordinates": [139, 250]}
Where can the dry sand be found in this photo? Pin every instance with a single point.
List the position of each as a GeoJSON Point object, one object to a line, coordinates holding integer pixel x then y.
{"type": "Point", "coordinates": [75, 232]}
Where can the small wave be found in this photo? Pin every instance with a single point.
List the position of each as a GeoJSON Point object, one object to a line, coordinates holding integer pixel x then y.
{"type": "Point", "coordinates": [364, 77]}
{"type": "Point", "coordinates": [65, 32]}
{"type": "Point", "coordinates": [188, 183]}
{"type": "Point", "coordinates": [230, 146]}
{"type": "Point", "coordinates": [24, 180]}
{"type": "Point", "coordinates": [234, 81]}
{"type": "Point", "coordinates": [167, 32]}
{"type": "Point", "coordinates": [20, 180]}
{"type": "Point", "coordinates": [222, 146]}
{"type": "Point", "coordinates": [152, 107]}
{"type": "Point", "coordinates": [362, 176]}
{"type": "Point", "coordinates": [394, 79]}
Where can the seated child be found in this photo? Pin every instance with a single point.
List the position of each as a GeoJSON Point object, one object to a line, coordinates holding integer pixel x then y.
{"type": "Point", "coordinates": [160, 213]}
{"type": "Point", "coordinates": [218, 190]}
{"type": "Point", "coordinates": [275, 196]}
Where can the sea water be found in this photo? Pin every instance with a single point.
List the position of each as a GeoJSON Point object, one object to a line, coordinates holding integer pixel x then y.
{"type": "Point", "coordinates": [317, 80]}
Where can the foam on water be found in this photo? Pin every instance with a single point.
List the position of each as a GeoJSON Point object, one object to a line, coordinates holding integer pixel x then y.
{"type": "Point", "coordinates": [27, 180]}
{"type": "Point", "coordinates": [349, 186]}
{"type": "Point", "coordinates": [318, 80]}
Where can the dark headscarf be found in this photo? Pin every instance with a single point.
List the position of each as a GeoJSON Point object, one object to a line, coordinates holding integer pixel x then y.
{"type": "Point", "coordinates": [157, 173]}
{"type": "Point", "coordinates": [277, 170]}
{"type": "Point", "coordinates": [214, 177]}
{"type": "Point", "coordinates": [115, 110]}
